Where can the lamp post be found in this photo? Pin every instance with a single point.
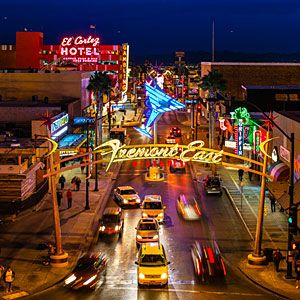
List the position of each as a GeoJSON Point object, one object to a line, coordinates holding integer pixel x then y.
{"type": "Point", "coordinates": [96, 188]}
{"type": "Point", "coordinates": [87, 203]}
{"type": "Point", "coordinates": [291, 138]}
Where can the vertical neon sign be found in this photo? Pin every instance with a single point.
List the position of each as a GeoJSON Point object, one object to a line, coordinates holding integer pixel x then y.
{"type": "Point", "coordinates": [240, 137]}
{"type": "Point", "coordinates": [257, 141]}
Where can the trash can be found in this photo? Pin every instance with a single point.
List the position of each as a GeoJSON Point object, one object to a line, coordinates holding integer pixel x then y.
{"type": "Point", "coordinates": [268, 252]}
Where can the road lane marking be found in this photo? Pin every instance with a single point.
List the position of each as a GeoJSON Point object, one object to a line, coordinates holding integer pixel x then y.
{"type": "Point", "coordinates": [15, 295]}
{"type": "Point", "coordinates": [174, 290]}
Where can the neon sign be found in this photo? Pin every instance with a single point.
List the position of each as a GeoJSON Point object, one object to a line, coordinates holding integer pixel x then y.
{"type": "Point", "coordinates": [257, 141]}
{"type": "Point", "coordinates": [58, 123]}
{"type": "Point", "coordinates": [194, 151]}
{"type": "Point", "coordinates": [240, 138]}
{"type": "Point", "coordinates": [80, 49]}
{"type": "Point", "coordinates": [222, 124]}
{"type": "Point", "coordinates": [124, 68]}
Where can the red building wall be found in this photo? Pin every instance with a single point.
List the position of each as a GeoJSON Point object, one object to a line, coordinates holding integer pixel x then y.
{"type": "Point", "coordinates": [28, 47]}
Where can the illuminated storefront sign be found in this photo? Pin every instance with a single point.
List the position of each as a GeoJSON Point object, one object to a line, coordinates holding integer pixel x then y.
{"type": "Point", "coordinates": [239, 138]}
{"type": "Point", "coordinates": [257, 141]}
{"type": "Point", "coordinates": [59, 122]}
{"type": "Point", "coordinates": [284, 153]}
{"type": "Point", "coordinates": [222, 124]}
{"type": "Point", "coordinates": [124, 68]}
{"type": "Point", "coordinates": [80, 49]}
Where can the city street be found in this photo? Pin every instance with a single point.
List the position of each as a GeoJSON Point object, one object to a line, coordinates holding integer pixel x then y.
{"type": "Point", "coordinates": [219, 222]}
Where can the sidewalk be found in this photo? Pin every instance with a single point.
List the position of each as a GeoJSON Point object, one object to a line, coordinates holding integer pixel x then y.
{"type": "Point", "coordinates": [19, 240]}
{"type": "Point", "coordinates": [246, 205]}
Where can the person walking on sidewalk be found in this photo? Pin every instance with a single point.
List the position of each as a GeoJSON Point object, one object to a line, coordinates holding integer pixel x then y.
{"type": "Point", "coordinates": [9, 277]}
{"type": "Point", "coordinates": [273, 203]}
{"type": "Point", "coordinates": [277, 257]}
{"type": "Point", "coordinates": [77, 183]}
{"type": "Point", "coordinates": [241, 174]}
{"type": "Point", "coordinates": [69, 198]}
{"type": "Point", "coordinates": [62, 181]}
{"type": "Point", "coordinates": [59, 196]}
{"type": "Point", "coordinates": [73, 182]}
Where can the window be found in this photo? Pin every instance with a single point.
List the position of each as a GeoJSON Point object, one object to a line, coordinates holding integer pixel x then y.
{"type": "Point", "coordinates": [3, 47]}
{"type": "Point", "coordinates": [152, 205]}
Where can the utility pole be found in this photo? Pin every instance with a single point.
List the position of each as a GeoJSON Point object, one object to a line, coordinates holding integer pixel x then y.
{"type": "Point", "coordinates": [213, 42]}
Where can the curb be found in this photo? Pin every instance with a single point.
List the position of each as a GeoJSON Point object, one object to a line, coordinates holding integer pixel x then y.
{"type": "Point", "coordinates": [238, 212]}
{"type": "Point", "coordinates": [262, 286]}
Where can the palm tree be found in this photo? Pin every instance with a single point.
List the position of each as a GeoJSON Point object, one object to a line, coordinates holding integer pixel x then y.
{"type": "Point", "coordinates": [99, 84]}
{"type": "Point", "coordinates": [214, 83]}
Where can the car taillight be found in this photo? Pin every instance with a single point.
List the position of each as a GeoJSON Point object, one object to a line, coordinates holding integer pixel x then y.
{"type": "Point", "coordinates": [178, 131]}
{"type": "Point", "coordinates": [210, 255]}
{"type": "Point", "coordinates": [223, 267]}
{"type": "Point", "coordinates": [197, 210]}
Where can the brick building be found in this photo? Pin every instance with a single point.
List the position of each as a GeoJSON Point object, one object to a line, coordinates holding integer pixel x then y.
{"type": "Point", "coordinates": [256, 74]}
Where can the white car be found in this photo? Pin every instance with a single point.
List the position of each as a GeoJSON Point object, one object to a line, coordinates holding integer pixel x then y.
{"type": "Point", "coordinates": [147, 231]}
{"type": "Point", "coordinates": [126, 195]}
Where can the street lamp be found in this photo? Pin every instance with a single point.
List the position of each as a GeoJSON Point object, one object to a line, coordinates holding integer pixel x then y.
{"type": "Point", "coordinates": [291, 138]}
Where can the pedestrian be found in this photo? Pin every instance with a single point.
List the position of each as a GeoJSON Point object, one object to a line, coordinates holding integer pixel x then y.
{"type": "Point", "coordinates": [250, 175]}
{"type": "Point", "coordinates": [241, 174]}
{"type": "Point", "coordinates": [77, 183]}
{"type": "Point", "coordinates": [62, 181]}
{"type": "Point", "coordinates": [297, 269]}
{"type": "Point", "coordinates": [73, 182]}
{"type": "Point", "coordinates": [277, 257]}
{"type": "Point", "coordinates": [59, 196]}
{"type": "Point", "coordinates": [69, 198]}
{"type": "Point", "coordinates": [218, 139]}
{"type": "Point", "coordinates": [8, 277]}
{"type": "Point", "coordinates": [82, 161]}
{"type": "Point", "coordinates": [273, 203]}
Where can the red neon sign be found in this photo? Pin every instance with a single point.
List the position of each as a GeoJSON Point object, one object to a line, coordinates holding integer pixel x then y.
{"type": "Point", "coordinates": [80, 49]}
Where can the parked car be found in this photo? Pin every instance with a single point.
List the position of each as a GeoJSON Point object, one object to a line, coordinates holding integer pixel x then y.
{"type": "Point", "coordinates": [152, 207]}
{"type": "Point", "coordinates": [112, 221]}
{"type": "Point", "coordinates": [127, 196]}
{"type": "Point", "coordinates": [207, 260]}
{"type": "Point", "coordinates": [88, 271]}
{"type": "Point", "coordinates": [212, 185]}
{"type": "Point", "coordinates": [152, 265]}
{"type": "Point", "coordinates": [188, 208]}
{"type": "Point", "coordinates": [175, 131]}
{"type": "Point", "coordinates": [147, 230]}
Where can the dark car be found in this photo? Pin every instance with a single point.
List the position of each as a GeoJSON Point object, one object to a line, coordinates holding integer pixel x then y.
{"type": "Point", "coordinates": [208, 262]}
{"type": "Point", "coordinates": [212, 185]}
{"type": "Point", "coordinates": [175, 131]}
{"type": "Point", "coordinates": [88, 271]}
{"type": "Point", "coordinates": [112, 221]}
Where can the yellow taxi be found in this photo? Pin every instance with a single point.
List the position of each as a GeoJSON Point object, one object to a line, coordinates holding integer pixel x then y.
{"type": "Point", "coordinates": [152, 207]}
{"type": "Point", "coordinates": [152, 265]}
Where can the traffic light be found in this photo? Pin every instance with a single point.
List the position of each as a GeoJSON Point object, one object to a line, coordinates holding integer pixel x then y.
{"type": "Point", "coordinates": [292, 220]}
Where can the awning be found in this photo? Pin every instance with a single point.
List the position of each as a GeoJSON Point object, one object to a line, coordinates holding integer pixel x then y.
{"type": "Point", "coordinates": [279, 171]}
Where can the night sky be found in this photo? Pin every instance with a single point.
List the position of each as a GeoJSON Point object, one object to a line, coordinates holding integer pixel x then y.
{"type": "Point", "coordinates": [161, 26]}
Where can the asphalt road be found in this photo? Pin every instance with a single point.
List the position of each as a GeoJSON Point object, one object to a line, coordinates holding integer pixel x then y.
{"type": "Point", "coordinates": [219, 222]}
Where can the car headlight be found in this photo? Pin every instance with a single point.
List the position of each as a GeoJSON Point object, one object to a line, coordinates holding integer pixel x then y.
{"type": "Point", "coordinates": [160, 215]}
{"type": "Point", "coordinates": [155, 237]}
{"type": "Point", "coordinates": [102, 228]}
{"type": "Point", "coordinates": [141, 276]}
{"type": "Point", "coordinates": [117, 227]}
{"type": "Point", "coordinates": [164, 276]}
{"type": "Point", "coordinates": [90, 280]}
{"type": "Point", "coordinates": [125, 201]}
{"type": "Point", "coordinates": [145, 215]}
{"type": "Point", "coordinates": [138, 237]}
{"type": "Point", "coordinates": [70, 279]}
{"type": "Point", "coordinates": [138, 200]}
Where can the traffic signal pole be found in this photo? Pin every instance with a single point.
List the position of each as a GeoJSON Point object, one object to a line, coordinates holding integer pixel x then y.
{"type": "Point", "coordinates": [289, 270]}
